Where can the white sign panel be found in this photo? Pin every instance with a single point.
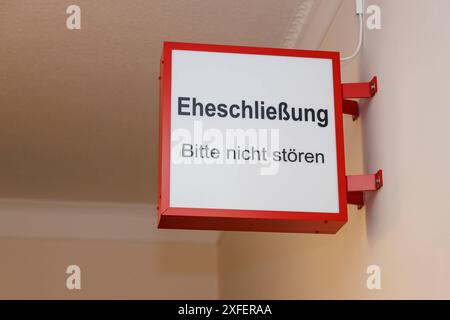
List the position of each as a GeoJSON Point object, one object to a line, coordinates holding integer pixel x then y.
{"type": "Point", "coordinates": [252, 132]}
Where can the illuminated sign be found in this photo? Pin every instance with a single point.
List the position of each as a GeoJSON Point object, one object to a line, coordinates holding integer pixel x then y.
{"type": "Point", "coordinates": [251, 139]}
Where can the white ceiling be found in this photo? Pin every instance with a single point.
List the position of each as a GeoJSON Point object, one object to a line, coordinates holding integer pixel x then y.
{"type": "Point", "coordinates": [79, 108]}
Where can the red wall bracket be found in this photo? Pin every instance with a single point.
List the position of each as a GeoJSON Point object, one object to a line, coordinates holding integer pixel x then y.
{"type": "Point", "coordinates": [358, 184]}
{"type": "Point", "coordinates": [357, 90]}
{"type": "Point", "coordinates": [360, 90]}
{"type": "Point", "coordinates": [350, 107]}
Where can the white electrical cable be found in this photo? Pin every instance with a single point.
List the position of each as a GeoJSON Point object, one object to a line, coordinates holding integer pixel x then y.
{"type": "Point", "coordinates": [358, 48]}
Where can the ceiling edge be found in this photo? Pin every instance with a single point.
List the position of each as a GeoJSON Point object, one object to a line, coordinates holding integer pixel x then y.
{"type": "Point", "coordinates": [311, 21]}
{"type": "Point", "coordinates": [301, 13]}
{"type": "Point", "coordinates": [91, 220]}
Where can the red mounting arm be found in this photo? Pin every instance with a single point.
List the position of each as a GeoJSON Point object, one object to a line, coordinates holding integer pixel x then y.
{"type": "Point", "coordinates": [357, 90]}
{"type": "Point", "coordinates": [350, 107]}
{"type": "Point", "coordinates": [356, 185]}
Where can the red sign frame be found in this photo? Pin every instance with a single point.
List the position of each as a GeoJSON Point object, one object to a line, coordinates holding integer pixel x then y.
{"type": "Point", "coordinates": [245, 220]}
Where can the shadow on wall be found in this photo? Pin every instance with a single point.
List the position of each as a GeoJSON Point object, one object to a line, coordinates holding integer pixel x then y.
{"type": "Point", "coordinates": [377, 225]}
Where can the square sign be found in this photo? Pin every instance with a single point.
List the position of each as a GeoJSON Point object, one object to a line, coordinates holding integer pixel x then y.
{"type": "Point", "coordinates": [251, 139]}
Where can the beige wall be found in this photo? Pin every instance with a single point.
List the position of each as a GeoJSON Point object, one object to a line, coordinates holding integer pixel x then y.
{"type": "Point", "coordinates": [35, 269]}
{"type": "Point", "coordinates": [404, 129]}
